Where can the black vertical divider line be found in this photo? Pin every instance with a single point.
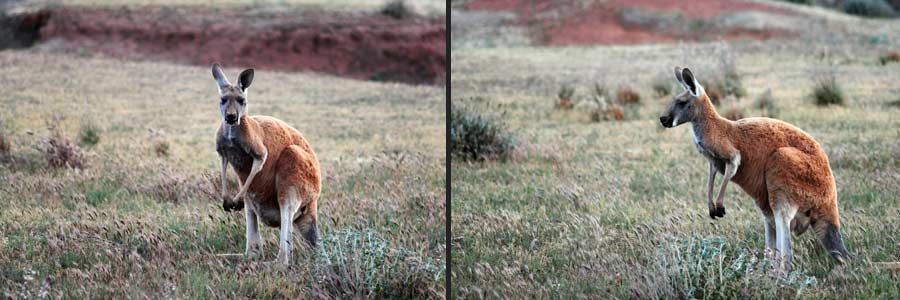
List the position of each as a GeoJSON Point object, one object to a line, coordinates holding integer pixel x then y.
{"type": "Point", "coordinates": [447, 111]}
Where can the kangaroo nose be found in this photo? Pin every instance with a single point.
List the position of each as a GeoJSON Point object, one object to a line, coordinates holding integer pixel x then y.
{"type": "Point", "coordinates": [230, 119]}
{"type": "Point", "coordinates": [665, 121]}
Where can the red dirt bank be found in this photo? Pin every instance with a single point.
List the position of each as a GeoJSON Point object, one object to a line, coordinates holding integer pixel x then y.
{"type": "Point", "coordinates": [371, 47]}
{"type": "Point", "coordinates": [600, 22]}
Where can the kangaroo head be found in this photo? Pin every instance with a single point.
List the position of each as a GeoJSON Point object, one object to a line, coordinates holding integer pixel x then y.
{"type": "Point", "coordinates": [685, 107]}
{"type": "Point", "coordinates": [233, 99]}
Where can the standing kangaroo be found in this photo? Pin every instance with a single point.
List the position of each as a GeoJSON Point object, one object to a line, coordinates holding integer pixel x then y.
{"type": "Point", "coordinates": [278, 171]}
{"type": "Point", "coordinates": [780, 166]}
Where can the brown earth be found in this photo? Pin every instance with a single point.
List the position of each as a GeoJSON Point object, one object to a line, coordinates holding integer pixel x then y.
{"type": "Point", "coordinates": [603, 22]}
{"type": "Point", "coordinates": [370, 47]}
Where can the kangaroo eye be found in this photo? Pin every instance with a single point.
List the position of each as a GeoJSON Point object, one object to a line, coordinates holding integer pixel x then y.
{"type": "Point", "coordinates": [680, 103]}
{"type": "Point", "coordinates": [240, 101]}
{"type": "Point", "coordinates": [224, 100]}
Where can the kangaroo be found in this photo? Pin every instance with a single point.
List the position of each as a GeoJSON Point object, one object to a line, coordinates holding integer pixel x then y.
{"type": "Point", "coordinates": [279, 173]}
{"type": "Point", "coordinates": [783, 168]}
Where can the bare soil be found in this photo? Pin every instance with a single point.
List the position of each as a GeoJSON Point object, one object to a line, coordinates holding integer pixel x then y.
{"type": "Point", "coordinates": [370, 47]}
{"type": "Point", "coordinates": [604, 23]}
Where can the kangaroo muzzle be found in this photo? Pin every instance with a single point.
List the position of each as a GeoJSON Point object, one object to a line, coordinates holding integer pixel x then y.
{"type": "Point", "coordinates": [231, 119]}
{"type": "Point", "coordinates": [666, 121]}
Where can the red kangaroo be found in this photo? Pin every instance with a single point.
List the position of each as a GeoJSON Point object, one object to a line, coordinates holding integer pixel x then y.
{"type": "Point", "coordinates": [783, 168]}
{"type": "Point", "coordinates": [278, 170]}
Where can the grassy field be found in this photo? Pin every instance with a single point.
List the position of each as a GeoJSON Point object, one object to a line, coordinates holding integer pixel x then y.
{"type": "Point", "coordinates": [617, 209]}
{"type": "Point", "coordinates": [141, 219]}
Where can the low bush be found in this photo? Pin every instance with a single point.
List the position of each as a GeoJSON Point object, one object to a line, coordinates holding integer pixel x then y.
{"type": "Point", "coordinates": [564, 97]}
{"type": "Point", "coordinates": [893, 56]}
{"type": "Point", "coordinates": [627, 96]}
{"type": "Point", "coordinates": [60, 152]}
{"type": "Point", "coordinates": [475, 137]}
{"type": "Point", "coordinates": [869, 8]}
{"type": "Point", "coordinates": [89, 135]}
{"type": "Point", "coordinates": [360, 264]}
{"type": "Point", "coordinates": [828, 92]}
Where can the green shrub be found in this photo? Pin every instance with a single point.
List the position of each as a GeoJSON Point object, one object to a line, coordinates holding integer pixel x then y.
{"type": "Point", "coordinates": [89, 135]}
{"type": "Point", "coordinates": [361, 264]}
{"type": "Point", "coordinates": [476, 137]}
{"type": "Point", "coordinates": [828, 92]}
{"type": "Point", "coordinates": [662, 86]}
{"type": "Point", "coordinates": [564, 97]}
{"type": "Point", "coordinates": [869, 8]}
{"type": "Point", "coordinates": [397, 9]}
{"type": "Point", "coordinates": [60, 152]}
{"type": "Point", "coordinates": [710, 268]}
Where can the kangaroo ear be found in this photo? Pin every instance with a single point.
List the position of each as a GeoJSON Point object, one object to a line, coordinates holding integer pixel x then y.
{"type": "Point", "coordinates": [245, 79]}
{"type": "Point", "coordinates": [691, 83]}
{"type": "Point", "coordinates": [221, 80]}
{"type": "Point", "coordinates": [680, 78]}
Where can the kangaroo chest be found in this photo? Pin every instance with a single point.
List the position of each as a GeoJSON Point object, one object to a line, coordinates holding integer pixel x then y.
{"type": "Point", "coordinates": [234, 152]}
{"type": "Point", "coordinates": [708, 151]}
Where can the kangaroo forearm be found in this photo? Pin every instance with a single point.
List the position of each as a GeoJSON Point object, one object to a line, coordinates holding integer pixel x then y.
{"type": "Point", "coordinates": [710, 183]}
{"type": "Point", "coordinates": [224, 172]}
{"type": "Point", "coordinates": [257, 166]}
{"type": "Point", "coordinates": [729, 172]}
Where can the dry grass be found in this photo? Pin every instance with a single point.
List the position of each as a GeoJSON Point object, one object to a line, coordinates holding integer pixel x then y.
{"type": "Point", "coordinates": [135, 224]}
{"type": "Point", "coordinates": [616, 210]}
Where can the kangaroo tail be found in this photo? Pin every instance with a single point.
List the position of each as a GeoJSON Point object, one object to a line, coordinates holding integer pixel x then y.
{"type": "Point", "coordinates": [831, 239]}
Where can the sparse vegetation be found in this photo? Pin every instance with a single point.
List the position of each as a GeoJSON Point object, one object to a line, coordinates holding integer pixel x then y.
{"type": "Point", "coordinates": [890, 57]}
{"type": "Point", "coordinates": [734, 112]}
{"type": "Point", "coordinates": [869, 8]}
{"type": "Point", "coordinates": [60, 152]}
{"type": "Point", "coordinates": [397, 9]}
{"type": "Point", "coordinates": [564, 97]}
{"type": "Point", "coordinates": [5, 153]}
{"type": "Point", "coordinates": [627, 96]}
{"type": "Point", "coordinates": [827, 91]}
{"type": "Point", "coordinates": [662, 86]}
{"type": "Point", "coordinates": [89, 135]}
{"type": "Point", "coordinates": [766, 103]}
{"type": "Point", "coordinates": [476, 137]}
{"type": "Point", "coordinates": [601, 108]}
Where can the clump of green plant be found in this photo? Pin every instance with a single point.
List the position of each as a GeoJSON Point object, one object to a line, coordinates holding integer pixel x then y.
{"type": "Point", "coordinates": [766, 103]}
{"type": "Point", "coordinates": [360, 264]}
{"type": "Point", "coordinates": [60, 152]}
{"type": "Point", "coordinates": [397, 9]}
{"type": "Point", "coordinates": [476, 137]}
{"type": "Point", "coordinates": [827, 91]}
{"type": "Point", "coordinates": [893, 56]}
{"type": "Point", "coordinates": [627, 96]}
{"type": "Point", "coordinates": [727, 81]}
{"type": "Point", "coordinates": [662, 86]}
{"type": "Point", "coordinates": [564, 97]}
{"type": "Point", "coordinates": [702, 268]}
{"type": "Point", "coordinates": [869, 8]}
{"type": "Point", "coordinates": [5, 153]}
{"type": "Point", "coordinates": [89, 135]}
{"type": "Point", "coordinates": [160, 143]}
{"type": "Point", "coordinates": [603, 110]}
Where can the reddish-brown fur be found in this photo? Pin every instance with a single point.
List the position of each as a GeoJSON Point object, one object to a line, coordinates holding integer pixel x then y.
{"type": "Point", "coordinates": [783, 168]}
{"type": "Point", "coordinates": [290, 162]}
{"type": "Point", "coordinates": [776, 157]}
